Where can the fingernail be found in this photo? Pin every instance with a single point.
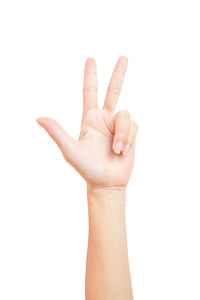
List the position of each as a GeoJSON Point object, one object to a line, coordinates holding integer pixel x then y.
{"type": "Point", "coordinates": [126, 149]}
{"type": "Point", "coordinates": [118, 147]}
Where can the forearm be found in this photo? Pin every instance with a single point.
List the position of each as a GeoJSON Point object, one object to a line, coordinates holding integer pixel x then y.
{"type": "Point", "coordinates": [107, 269]}
{"type": "Point", "coordinates": [103, 155]}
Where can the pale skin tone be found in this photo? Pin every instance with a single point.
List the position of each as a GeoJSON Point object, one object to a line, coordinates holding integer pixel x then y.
{"type": "Point", "coordinates": [104, 157]}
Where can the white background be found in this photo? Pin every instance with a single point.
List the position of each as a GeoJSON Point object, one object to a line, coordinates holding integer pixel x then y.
{"type": "Point", "coordinates": [43, 211]}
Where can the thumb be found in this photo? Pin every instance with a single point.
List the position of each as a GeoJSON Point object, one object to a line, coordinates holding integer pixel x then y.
{"type": "Point", "coordinates": [64, 141]}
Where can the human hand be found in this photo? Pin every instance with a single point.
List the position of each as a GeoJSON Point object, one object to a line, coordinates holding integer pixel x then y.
{"type": "Point", "coordinates": [104, 152]}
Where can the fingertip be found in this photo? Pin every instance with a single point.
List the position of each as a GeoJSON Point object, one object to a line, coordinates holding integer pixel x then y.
{"type": "Point", "coordinates": [113, 147]}
{"type": "Point", "coordinates": [126, 149]}
{"type": "Point", "coordinates": [121, 64]}
{"type": "Point", "coordinates": [118, 147]}
{"type": "Point", "coordinates": [46, 122]}
{"type": "Point", "coordinates": [38, 120]}
{"type": "Point", "coordinates": [90, 58]}
{"type": "Point", "coordinates": [124, 58]}
{"type": "Point", "coordinates": [90, 65]}
{"type": "Point", "coordinates": [41, 120]}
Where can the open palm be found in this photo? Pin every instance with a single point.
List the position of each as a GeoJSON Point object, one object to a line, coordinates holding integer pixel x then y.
{"type": "Point", "coordinates": [104, 152]}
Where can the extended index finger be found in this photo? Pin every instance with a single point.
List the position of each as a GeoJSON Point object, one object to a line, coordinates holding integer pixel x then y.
{"type": "Point", "coordinates": [115, 84]}
{"type": "Point", "coordinates": [90, 85]}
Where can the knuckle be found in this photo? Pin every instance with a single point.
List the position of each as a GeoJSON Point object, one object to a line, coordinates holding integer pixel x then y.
{"type": "Point", "coordinates": [123, 117]}
{"type": "Point", "coordinates": [133, 131]}
{"type": "Point", "coordinates": [124, 113]}
{"type": "Point", "coordinates": [114, 90]}
{"type": "Point", "coordinates": [129, 141]}
{"type": "Point", "coordinates": [90, 73]}
{"type": "Point", "coordinates": [119, 73]}
{"type": "Point", "coordinates": [136, 126]}
{"type": "Point", "coordinates": [121, 137]}
{"type": "Point", "coordinates": [89, 89]}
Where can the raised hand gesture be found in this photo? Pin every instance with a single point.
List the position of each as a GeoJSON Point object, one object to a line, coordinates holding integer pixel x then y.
{"type": "Point", "coordinates": [104, 152]}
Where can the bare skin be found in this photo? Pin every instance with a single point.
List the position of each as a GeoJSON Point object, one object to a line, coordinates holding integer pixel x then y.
{"type": "Point", "coordinates": [104, 157]}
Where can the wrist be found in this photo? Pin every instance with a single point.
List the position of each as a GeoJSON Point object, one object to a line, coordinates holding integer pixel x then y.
{"type": "Point", "coordinates": [106, 193]}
